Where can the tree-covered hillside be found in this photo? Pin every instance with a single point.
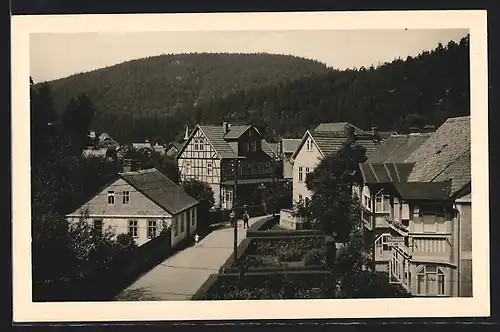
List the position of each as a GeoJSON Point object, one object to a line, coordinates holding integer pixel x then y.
{"type": "Point", "coordinates": [155, 98]}
{"type": "Point", "coordinates": [420, 90]}
{"type": "Point", "coordinates": [162, 85]}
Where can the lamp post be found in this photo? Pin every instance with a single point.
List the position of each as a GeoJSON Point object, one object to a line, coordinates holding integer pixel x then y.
{"type": "Point", "coordinates": [235, 223]}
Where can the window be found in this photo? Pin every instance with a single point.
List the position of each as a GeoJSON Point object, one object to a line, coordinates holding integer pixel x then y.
{"type": "Point", "coordinates": [209, 168]}
{"type": "Point", "coordinates": [433, 220]}
{"type": "Point", "coordinates": [368, 202]}
{"type": "Point", "coordinates": [183, 220]}
{"type": "Point", "coordinates": [254, 146]}
{"type": "Point", "coordinates": [431, 280]}
{"type": "Point", "coordinates": [196, 146]}
{"type": "Point", "coordinates": [300, 198]}
{"type": "Point", "coordinates": [191, 215]}
{"type": "Point", "coordinates": [152, 229]}
{"type": "Point", "coordinates": [111, 197]}
{"type": "Point", "coordinates": [250, 167]}
{"type": "Point", "coordinates": [268, 167]}
{"type": "Point", "coordinates": [126, 197]}
{"type": "Point", "coordinates": [301, 174]}
{"type": "Point", "coordinates": [133, 229]}
{"type": "Point", "coordinates": [382, 202]}
{"type": "Point", "coordinates": [188, 167]}
{"type": "Point", "coordinates": [383, 242]}
{"type": "Point", "coordinates": [250, 133]}
{"type": "Point", "coordinates": [309, 145]}
{"type": "Point", "coordinates": [201, 143]}
{"type": "Point", "coordinates": [98, 226]}
{"type": "Point", "coordinates": [260, 167]}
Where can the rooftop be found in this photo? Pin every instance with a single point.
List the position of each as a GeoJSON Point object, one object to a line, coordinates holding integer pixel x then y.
{"type": "Point", "coordinates": [160, 189]}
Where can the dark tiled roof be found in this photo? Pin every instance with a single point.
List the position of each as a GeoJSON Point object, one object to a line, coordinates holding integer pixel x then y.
{"type": "Point", "coordinates": [385, 172]}
{"type": "Point", "coordinates": [225, 148]}
{"type": "Point", "coordinates": [397, 148]}
{"type": "Point", "coordinates": [290, 144]}
{"type": "Point", "coordinates": [445, 155]}
{"type": "Point", "coordinates": [215, 135]}
{"type": "Point", "coordinates": [423, 190]}
{"type": "Point", "coordinates": [160, 189]}
{"type": "Point", "coordinates": [235, 131]}
{"type": "Point", "coordinates": [271, 149]}
{"type": "Point", "coordinates": [459, 172]}
{"type": "Point", "coordinates": [336, 127]}
{"type": "Point", "coordinates": [331, 142]}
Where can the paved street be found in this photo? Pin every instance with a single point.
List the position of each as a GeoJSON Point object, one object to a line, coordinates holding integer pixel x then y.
{"type": "Point", "coordinates": [180, 276]}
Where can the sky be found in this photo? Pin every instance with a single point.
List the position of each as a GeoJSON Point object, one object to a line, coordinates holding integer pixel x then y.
{"type": "Point", "coordinates": [58, 55]}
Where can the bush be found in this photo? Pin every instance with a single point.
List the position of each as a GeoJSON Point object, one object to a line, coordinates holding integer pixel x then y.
{"type": "Point", "coordinates": [368, 284]}
{"type": "Point", "coordinates": [315, 256]}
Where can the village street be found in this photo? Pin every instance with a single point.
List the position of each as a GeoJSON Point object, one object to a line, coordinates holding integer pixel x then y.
{"type": "Point", "coordinates": [180, 276]}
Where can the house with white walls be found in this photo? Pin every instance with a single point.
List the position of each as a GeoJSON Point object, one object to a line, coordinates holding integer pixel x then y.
{"type": "Point", "coordinates": [141, 203]}
{"type": "Point", "coordinates": [324, 140]}
{"type": "Point", "coordinates": [418, 211]}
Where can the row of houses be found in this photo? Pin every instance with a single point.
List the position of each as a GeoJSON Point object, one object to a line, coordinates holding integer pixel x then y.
{"type": "Point", "coordinates": [415, 199]}
{"type": "Point", "coordinates": [415, 194]}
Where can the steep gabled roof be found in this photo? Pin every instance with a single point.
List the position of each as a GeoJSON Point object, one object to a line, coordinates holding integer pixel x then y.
{"type": "Point", "coordinates": [331, 142]}
{"type": "Point", "coordinates": [226, 145]}
{"type": "Point", "coordinates": [290, 144]}
{"type": "Point", "coordinates": [445, 155]}
{"type": "Point", "coordinates": [235, 131]}
{"type": "Point", "coordinates": [160, 189]}
{"type": "Point", "coordinates": [271, 149]}
{"type": "Point", "coordinates": [397, 148]}
{"type": "Point", "coordinates": [338, 127]}
{"type": "Point", "coordinates": [215, 135]}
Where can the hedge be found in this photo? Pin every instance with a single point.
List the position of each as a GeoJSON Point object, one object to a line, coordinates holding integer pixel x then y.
{"type": "Point", "coordinates": [298, 284]}
{"type": "Point", "coordinates": [245, 246]}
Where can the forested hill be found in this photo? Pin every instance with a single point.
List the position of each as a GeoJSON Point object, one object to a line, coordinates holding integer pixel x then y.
{"type": "Point", "coordinates": [416, 91]}
{"type": "Point", "coordinates": [283, 95]}
{"type": "Point", "coordinates": [165, 84]}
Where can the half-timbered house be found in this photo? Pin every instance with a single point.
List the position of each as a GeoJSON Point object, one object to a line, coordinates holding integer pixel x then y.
{"type": "Point", "coordinates": [213, 153]}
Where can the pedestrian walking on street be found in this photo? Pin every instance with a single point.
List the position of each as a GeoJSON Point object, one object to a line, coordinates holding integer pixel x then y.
{"type": "Point", "coordinates": [232, 218]}
{"type": "Point", "coordinates": [246, 217]}
{"type": "Point", "coordinates": [196, 239]}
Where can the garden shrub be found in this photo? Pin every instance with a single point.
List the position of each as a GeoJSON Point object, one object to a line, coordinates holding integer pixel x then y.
{"type": "Point", "coordinates": [315, 256]}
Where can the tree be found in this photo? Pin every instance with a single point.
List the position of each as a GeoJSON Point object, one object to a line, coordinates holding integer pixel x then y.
{"type": "Point", "coordinates": [204, 194]}
{"type": "Point", "coordinates": [333, 208]}
{"type": "Point", "coordinates": [168, 166]}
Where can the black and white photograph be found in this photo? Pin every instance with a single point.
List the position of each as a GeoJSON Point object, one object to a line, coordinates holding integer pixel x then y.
{"type": "Point", "coordinates": [191, 160]}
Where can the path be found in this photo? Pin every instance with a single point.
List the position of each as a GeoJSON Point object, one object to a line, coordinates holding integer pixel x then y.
{"type": "Point", "coordinates": [180, 276]}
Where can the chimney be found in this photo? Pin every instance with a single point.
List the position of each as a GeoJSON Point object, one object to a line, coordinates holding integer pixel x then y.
{"type": "Point", "coordinates": [429, 128]}
{"type": "Point", "coordinates": [376, 135]}
{"type": "Point", "coordinates": [186, 134]}
{"type": "Point", "coordinates": [225, 127]}
{"type": "Point", "coordinates": [414, 130]}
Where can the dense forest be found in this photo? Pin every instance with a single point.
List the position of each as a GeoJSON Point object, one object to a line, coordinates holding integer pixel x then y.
{"type": "Point", "coordinates": [154, 98]}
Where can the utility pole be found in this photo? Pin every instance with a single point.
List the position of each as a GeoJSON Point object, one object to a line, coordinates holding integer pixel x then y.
{"type": "Point", "coordinates": [235, 167]}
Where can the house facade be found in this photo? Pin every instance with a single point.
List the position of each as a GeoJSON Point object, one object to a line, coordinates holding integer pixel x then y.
{"type": "Point", "coordinates": [324, 140]}
{"type": "Point", "coordinates": [141, 203]}
{"type": "Point", "coordinates": [416, 205]}
{"type": "Point", "coordinates": [212, 154]}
